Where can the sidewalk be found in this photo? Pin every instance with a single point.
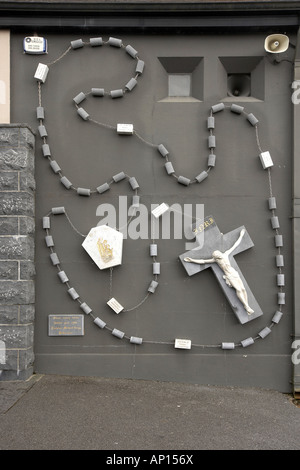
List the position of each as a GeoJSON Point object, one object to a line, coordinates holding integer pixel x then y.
{"type": "Point", "coordinates": [84, 413]}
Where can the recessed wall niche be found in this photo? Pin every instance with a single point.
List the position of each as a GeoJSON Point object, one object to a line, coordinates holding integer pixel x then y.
{"type": "Point", "coordinates": [184, 79]}
{"type": "Point", "coordinates": [242, 78]}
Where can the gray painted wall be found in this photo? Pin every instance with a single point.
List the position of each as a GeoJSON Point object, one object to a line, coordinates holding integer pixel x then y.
{"type": "Point", "coordinates": [235, 193]}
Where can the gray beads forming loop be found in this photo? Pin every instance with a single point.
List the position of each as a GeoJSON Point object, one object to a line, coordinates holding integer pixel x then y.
{"type": "Point", "coordinates": [80, 97]}
{"type": "Point", "coordinates": [65, 280]}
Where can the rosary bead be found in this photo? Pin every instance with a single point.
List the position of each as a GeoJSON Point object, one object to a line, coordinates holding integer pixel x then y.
{"type": "Point", "coordinates": [272, 203]}
{"type": "Point", "coordinates": [46, 150]}
{"type": "Point", "coordinates": [86, 309]}
{"type": "Point", "coordinates": [217, 107]}
{"type": "Point", "coordinates": [252, 119]}
{"type": "Point", "coordinates": [118, 333]}
{"type": "Point", "coordinates": [46, 222]}
{"type": "Point", "coordinates": [235, 108]}
{"type": "Point", "coordinates": [67, 183]}
{"type": "Point", "coordinates": [131, 84]}
{"type": "Point", "coordinates": [156, 268]}
{"type": "Point", "coordinates": [211, 159]}
{"type": "Point", "coordinates": [77, 43]}
{"type": "Point", "coordinates": [228, 345]}
{"type": "Point", "coordinates": [80, 97]}
{"type": "Point", "coordinates": [72, 292]}
{"type": "Point", "coordinates": [279, 261]}
{"type": "Point", "coordinates": [140, 66]}
{"type": "Point", "coordinates": [162, 150]}
{"type": "Point", "coordinates": [275, 222]}
{"type": "Point", "coordinates": [58, 210]}
{"type": "Point", "coordinates": [131, 51]}
{"type": "Point", "coordinates": [96, 42]}
{"type": "Point", "coordinates": [97, 91]}
{"type": "Point", "coordinates": [202, 176]}
{"type": "Point", "coordinates": [99, 322]}
{"type": "Point", "coordinates": [278, 240]}
{"type": "Point", "coordinates": [152, 287]}
{"type": "Point", "coordinates": [133, 183]}
{"type": "Point", "coordinates": [55, 166]}
{"type": "Point", "coordinates": [117, 93]}
{"type": "Point", "coordinates": [280, 280]}
{"type": "Point", "coordinates": [104, 187]}
{"type": "Point", "coordinates": [247, 342]}
{"type": "Point", "coordinates": [54, 258]}
{"type": "Point", "coordinates": [169, 168]}
{"type": "Point", "coordinates": [83, 114]}
{"type": "Point", "coordinates": [40, 114]}
{"type": "Point", "coordinates": [281, 298]}
{"type": "Point", "coordinates": [264, 332]}
{"type": "Point", "coordinates": [42, 131]}
{"type": "Point", "coordinates": [210, 122]}
{"type": "Point", "coordinates": [62, 276]}
{"type": "Point", "coordinates": [183, 180]}
{"type": "Point", "coordinates": [83, 191]}
{"type": "Point", "coordinates": [49, 241]}
{"type": "Point", "coordinates": [119, 177]}
{"type": "Point", "coordinates": [115, 42]}
{"type": "Point", "coordinates": [211, 141]}
{"type": "Point", "coordinates": [153, 249]}
{"type": "Point", "coordinates": [136, 340]}
{"type": "Point", "coordinates": [277, 317]}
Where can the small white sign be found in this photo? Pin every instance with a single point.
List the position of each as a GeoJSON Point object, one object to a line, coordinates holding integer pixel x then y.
{"type": "Point", "coordinates": [183, 343]}
{"type": "Point", "coordinates": [126, 129]}
{"type": "Point", "coordinates": [35, 45]}
{"type": "Point", "coordinates": [160, 210]}
{"type": "Point", "coordinates": [114, 304]}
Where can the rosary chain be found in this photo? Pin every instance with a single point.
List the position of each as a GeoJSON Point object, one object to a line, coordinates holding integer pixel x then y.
{"type": "Point", "coordinates": [183, 180]}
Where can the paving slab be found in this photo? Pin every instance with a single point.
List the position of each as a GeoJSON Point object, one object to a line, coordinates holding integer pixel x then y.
{"type": "Point", "coordinates": [51, 412]}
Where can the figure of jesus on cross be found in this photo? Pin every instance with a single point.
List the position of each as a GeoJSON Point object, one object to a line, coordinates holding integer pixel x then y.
{"type": "Point", "coordinates": [231, 276]}
{"type": "Point", "coordinates": [217, 251]}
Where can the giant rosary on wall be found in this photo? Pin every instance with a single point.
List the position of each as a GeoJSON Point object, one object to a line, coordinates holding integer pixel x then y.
{"type": "Point", "coordinates": [104, 244]}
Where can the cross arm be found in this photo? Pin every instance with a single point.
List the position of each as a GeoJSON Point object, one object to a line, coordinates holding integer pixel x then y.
{"type": "Point", "coordinates": [230, 250]}
{"type": "Point", "coordinates": [198, 261]}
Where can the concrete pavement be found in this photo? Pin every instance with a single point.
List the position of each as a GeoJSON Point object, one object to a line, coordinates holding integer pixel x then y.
{"type": "Point", "coordinates": [50, 412]}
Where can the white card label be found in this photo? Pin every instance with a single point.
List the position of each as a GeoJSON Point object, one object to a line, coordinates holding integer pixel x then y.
{"type": "Point", "coordinates": [125, 129]}
{"type": "Point", "coordinates": [183, 343]}
{"type": "Point", "coordinates": [161, 209]}
{"type": "Point", "coordinates": [114, 304]}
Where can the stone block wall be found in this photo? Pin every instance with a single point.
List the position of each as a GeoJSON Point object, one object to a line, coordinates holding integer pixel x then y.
{"type": "Point", "coordinates": [17, 269]}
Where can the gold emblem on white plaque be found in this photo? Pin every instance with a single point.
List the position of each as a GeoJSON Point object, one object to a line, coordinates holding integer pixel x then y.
{"type": "Point", "coordinates": [106, 252]}
{"type": "Point", "coordinates": [104, 245]}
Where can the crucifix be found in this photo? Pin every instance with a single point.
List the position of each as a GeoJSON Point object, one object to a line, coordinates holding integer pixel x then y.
{"type": "Point", "coordinates": [217, 251]}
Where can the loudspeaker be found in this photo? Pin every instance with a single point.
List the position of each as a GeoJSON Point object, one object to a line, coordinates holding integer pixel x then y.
{"type": "Point", "coordinates": [239, 84]}
{"type": "Point", "coordinates": [276, 43]}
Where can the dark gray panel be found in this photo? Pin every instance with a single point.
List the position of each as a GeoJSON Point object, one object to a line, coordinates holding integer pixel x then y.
{"type": "Point", "coordinates": [235, 192]}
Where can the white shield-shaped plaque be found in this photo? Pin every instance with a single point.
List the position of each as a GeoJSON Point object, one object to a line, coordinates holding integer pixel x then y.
{"type": "Point", "coordinates": [104, 245]}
